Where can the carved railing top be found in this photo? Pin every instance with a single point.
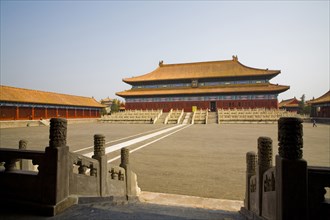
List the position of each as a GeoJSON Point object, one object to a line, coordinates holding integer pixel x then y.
{"type": "Point", "coordinates": [77, 157]}
{"type": "Point", "coordinates": [8, 153]}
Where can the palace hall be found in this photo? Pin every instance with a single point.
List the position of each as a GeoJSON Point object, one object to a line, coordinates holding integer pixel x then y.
{"type": "Point", "coordinates": [291, 105]}
{"type": "Point", "coordinates": [320, 107]}
{"type": "Point", "coordinates": [213, 85]}
{"type": "Point", "coordinates": [27, 104]}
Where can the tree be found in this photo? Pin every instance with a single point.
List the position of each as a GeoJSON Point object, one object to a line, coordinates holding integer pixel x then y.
{"type": "Point", "coordinates": [115, 105]}
{"type": "Point", "coordinates": [301, 104]}
{"type": "Point", "coordinates": [303, 108]}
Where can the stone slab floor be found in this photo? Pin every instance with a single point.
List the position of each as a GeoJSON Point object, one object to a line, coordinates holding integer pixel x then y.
{"type": "Point", "coordinates": [199, 160]}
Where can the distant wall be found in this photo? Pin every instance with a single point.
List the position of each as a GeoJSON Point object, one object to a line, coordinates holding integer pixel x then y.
{"type": "Point", "coordinates": [31, 113]}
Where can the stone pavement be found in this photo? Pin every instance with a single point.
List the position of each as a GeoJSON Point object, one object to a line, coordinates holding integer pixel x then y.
{"type": "Point", "coordinates": [153, 206]}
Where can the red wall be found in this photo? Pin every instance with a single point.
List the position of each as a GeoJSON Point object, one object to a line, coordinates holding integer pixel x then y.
{"type": "Point", "coordinates": [325, 112]}
{"type": "Point", "coordinates": [187, 106]}
{"type": "Point", "coordinates": [7, 113]}
{"type": "Point", "coordinates": [29, 113]}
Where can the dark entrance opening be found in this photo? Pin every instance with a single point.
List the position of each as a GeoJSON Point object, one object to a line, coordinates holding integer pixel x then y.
{"type": "Point", "coordinates": [213, 106]}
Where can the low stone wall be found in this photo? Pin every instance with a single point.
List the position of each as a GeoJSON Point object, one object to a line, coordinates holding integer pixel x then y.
{"type": "Point", "coordinates": [36, 123]}
{"type": "Point", "coordinates": [61, 176]}
{"type": "Point", "coordinates": [290, 190]}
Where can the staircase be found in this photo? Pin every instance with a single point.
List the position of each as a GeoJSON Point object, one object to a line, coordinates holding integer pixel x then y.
{"type": "Point", "coordinates": [213, 118]}
{"type": "Point", "coordinates": [44, 122]}
{"type": "Point", "coordinates": [161, 119]}
{"type": "Point", "coordinates": [186, 119]}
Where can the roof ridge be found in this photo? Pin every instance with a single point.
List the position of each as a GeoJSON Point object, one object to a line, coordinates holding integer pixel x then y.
{"type": "Point", "coordinates": [193, 63]}
{"type": "Point", "coordinates": [205, 69]}
{"type": "Point", "coordinates": [46, 91]}
{"type": "Point", "coordinates": [235, 59]}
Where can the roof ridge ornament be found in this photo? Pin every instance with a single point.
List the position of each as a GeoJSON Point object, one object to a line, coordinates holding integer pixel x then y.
{"type": "Point", "coordinates": [235, 58]}
{"type": "Point", "coordinates": [161, 63]}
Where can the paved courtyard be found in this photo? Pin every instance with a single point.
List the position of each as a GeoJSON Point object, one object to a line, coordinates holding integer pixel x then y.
{"type": "Point", "coordinates": [197, 160]}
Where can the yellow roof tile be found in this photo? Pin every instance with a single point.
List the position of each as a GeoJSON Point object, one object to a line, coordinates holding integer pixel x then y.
{"type": "Point", "coordinates": [13, 94]}
{"type": "Point", "coordinates": [322, 99]}
{"type": "Point", "coordinates": [289, 103]}
{"type": "Point", "coordinates": [212, 69]}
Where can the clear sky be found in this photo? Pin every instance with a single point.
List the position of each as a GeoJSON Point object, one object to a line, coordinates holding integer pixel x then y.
{"type": "Point", "coordinates": [87, 47]}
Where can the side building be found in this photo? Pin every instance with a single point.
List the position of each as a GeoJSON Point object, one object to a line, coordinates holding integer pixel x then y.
{"type": "Point", "coordinates": [211, 85]}
{"type": "Point", "coordinates": [291, 105]}
{"type": "Point", "coordinates": [27, 104]}
{"type": "Point", "coordinates": [320, 107]}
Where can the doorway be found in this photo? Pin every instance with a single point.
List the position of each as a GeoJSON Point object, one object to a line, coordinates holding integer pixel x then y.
{"type": "Point", "coordinates": [213, 106]}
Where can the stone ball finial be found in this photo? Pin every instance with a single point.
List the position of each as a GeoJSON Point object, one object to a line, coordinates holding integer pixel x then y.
{"type": "Point", "coordinates": [57, 132]}
{"type": "Point", "coordinates": [290, 138]}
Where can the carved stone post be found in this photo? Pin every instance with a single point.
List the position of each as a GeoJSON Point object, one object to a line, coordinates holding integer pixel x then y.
{"type": "Point", "coordinates": [99, 142]}
{"type": "Point", "coordinates": [124, 157]}
{"type": "Point", "coordinates": [22, 144]}
{"type": "Point", "coordinates": [251, 164]}
{"type": "Point", "coordinates": [57, 132]}
{"type": "Point", "coordinates": [24, 164]}
{"type": "Point", "coordinates": [131, 179]}
{"type": "Point", "coordinates": [265, 161]}
{"type": "Point", "coordinates": [99, 154]}
{"type": "Point", "coordinates": [54, 170]}
{"type": "Point", "coordinates": [291, 171]}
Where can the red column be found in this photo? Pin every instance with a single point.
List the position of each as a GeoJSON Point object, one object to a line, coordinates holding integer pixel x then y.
{"type": "Point", "coordinates": [17, 113]}
{"type": "Point", "coordinates": [56, 112]}
{"type": "Point", "coordinates": [32, 113]}
{"type": "Point", "coordinates": [46, 113]}
{"type": "Point", "coordinates": [67, 113]}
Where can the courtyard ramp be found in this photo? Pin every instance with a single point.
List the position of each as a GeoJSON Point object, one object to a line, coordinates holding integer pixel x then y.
{"type": "Point", "coordinates": [144, 140]}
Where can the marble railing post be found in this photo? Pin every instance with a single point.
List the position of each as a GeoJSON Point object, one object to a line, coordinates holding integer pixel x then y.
{"type": "Point", "coordinates": [131, 178]}
{"type": "Point", "coordinates": [24, 164]}
{"type": "Point", "coordinates": [124, 159]}
{"type": "Point", "coordinates": [265, 161]}
{"type": "Point", "coordinates": [124, 163]}
{"type": "Point", "coordinates": [251, 163]}
{"type": "Point", "coordinates": [22, 144]}
{"type": "Point", "coordinates": [291, 172]}
{"type": "Point", "coordinates": [54, 171]}
{"type": "Point", "coordinates": [99, 154]}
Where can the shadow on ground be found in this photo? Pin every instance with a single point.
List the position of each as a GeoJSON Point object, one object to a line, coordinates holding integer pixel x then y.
{"type": "Point", "coordinates": [137, 210]}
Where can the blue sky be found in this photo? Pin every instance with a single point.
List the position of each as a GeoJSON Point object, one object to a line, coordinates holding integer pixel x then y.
{"type": "Point", "coordinates": [87, 47]}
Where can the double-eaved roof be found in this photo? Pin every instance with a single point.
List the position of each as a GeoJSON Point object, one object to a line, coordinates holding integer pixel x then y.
{"type": "Point", "coordinates": [19, 95]}
{"type": "Point", "coordinates": [203, 70]}
{"type": "Point", "coordinates": [212, 69]}
{"type": "Point", "coordinates": [206, 90]}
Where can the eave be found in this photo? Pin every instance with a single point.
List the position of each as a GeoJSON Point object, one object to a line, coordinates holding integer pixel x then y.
{"type": "Point", "coordinates": [204, 90]}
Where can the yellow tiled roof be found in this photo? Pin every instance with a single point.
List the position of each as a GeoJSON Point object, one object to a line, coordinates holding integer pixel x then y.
{"type": "Point", "coordinates": [322, 99]}
{"type": "Point", "coordinates": [289, 103]}
{"type": "Point", "coordinates": [213, 69]}
{"type": "Point", "coordinates": [13, 94]}
{"type": "Point", "coordinates": [204, 90]}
